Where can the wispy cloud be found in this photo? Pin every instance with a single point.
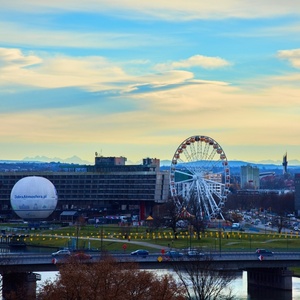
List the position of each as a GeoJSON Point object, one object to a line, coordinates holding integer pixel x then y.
{"type": "Point", "coordinates": [83, 39]}
{"type": "Point", "coordinates": [200, 61]}
{"type": "Point", "coordinates": [293, 56]}
{"type": "Point", "coordinates": [164, 9]}
{"type": "Point", "coordinates": [12, 59]}
{"type": "Point", "coordinates": [93, 73]}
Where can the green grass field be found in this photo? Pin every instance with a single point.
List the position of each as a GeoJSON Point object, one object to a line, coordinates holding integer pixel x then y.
{"type": "Point", "coordinates": [113, 237]}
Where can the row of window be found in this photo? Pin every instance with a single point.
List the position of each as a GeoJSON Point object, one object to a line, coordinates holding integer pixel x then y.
{"type": "Point", "coordinates": [133, 197]}
{"type": "Point", "coordinates": [125, 177]}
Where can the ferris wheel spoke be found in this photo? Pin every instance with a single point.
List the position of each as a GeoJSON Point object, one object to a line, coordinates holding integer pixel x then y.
{"type": "Point", "coordinates": [180, 183]}
{"type": "Point", "coordinates": [184, 189]}
{"type": "Point", "coordinates": [189, 169]}
{"type": "Point", "coordinates": [209, 196]}
{"type": "Point", "coordinates": [187, 155]}
{"type": "Point", "coordinates": [194, 156]}
{"type": "Point", "coordinates": [212, 155]}
{"type": "Point", "coordinates": [211, 164]}
{"type": "Point", "coordinates": [217, 187]}
{"type": "Point", "coordinates": [185, 173]}
{"type": "Point", "coordinates": [191, 189]}
{"type": "Point", "coordinates": [186, 165]}
{"type": "Point", "coordinates": [199, 150]}
{"type": "Point", "coordinates": [205, 152]}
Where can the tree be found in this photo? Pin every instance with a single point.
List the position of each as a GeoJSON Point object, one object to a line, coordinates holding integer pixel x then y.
{"type": "Point", "coordinates": [201, 281]}
{"type": "Point", "coordinates": [107, 279]}
{"type": "Point", "coordinates": [170, 213]}
{"type": "Point", "coordinates": [196, 208]}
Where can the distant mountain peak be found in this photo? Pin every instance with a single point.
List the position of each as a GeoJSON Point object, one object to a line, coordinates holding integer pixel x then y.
{"type": "Point", "coordinates": [71, 160]}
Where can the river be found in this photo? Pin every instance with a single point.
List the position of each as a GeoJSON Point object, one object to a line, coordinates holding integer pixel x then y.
{"type": "Point", "coordinates": [238, 286]}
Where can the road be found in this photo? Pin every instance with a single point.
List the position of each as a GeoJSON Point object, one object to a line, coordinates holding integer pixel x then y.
{"type": "Point", "coordinates": [28, 258]}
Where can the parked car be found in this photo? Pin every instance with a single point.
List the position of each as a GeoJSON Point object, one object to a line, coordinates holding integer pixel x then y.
{"type": "Point", "coordinates": [264, 252]}
{"type": "Point", "coordinates": [61, 253]}
{"type": "Point", "coordinates": [174, 254]}
{"type": "Point", "coordinates": [82, 256]}
{"type": "Point", "coordinates": [140, 252]}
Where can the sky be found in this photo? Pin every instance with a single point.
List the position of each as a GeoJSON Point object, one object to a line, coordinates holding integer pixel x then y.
{"type": "Point", "coordinates": [136, 78]}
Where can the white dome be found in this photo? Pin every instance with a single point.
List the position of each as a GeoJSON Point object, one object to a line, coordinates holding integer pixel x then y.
{"type": "Point", "coordinates": [33, 197]}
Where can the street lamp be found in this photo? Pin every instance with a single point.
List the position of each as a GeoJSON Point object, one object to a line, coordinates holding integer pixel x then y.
{"type": "Point", "coordinates": [220, 241]}
{"type": "Point", "coordinates": [265, 223]}
{"type": "Point", "coordinates": [101, 237]}
{"type": "Point", "coordinates": [77, 233]}
{"type": "Point", "coordinates": [191, 228]}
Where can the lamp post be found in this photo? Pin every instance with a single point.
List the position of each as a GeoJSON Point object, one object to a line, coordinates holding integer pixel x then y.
{"type": "Point", "coordinates": [220, 243]}
{"type": "Point", "coordinates": [77, 233]}
{"type": "Point", "coordinates": [250, 240]}
{"type": "Point", "coordinates": [101, 247]}
{"type": "Point", "coordinates": [265, 223]}
{"type": "Point", "coordinates": [191, 228]}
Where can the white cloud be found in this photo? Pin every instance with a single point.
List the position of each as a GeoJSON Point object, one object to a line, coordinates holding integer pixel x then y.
{"type": "Point", "coordinates": [293, 56]}
{"type": "Point", "coordinates": [205, 62]}
{"type": "Point", "coordinates": [92, 73]}
{"type": "Point", "coordinates": [12, 59]}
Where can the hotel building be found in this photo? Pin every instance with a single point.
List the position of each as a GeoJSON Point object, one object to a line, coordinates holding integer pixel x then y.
{"type": "Point", "coordinates": [108, 186]}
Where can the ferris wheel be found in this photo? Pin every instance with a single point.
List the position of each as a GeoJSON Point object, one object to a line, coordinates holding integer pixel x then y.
{"type": "Point", "coordinates": [200, 177]}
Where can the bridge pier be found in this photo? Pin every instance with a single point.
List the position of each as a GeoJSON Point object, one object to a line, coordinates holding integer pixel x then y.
{"type": "Point", "coordinates": [21, 283]}
{"type": "Point", "coordinates": [275, 278]}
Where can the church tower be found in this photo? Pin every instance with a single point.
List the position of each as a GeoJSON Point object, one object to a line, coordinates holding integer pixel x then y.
{"type": "Point", "coordinates": [284, 163]}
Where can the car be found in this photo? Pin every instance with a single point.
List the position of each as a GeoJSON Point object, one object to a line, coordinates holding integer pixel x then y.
{"type": "Point", "coordinates": [63, 252]}
{"type": "Point", "coordinates": [264, 252]}
{"type": "Point", "coordinates": [140, 252]}
{"type": "Point", "coordinates": [174, 254]}
{"type": "Point", "coordinates": [235, 225]}
{"type": "Point", "coordinates": [82, 256]}
{"type": "Point", "coordinates": [195, 253]}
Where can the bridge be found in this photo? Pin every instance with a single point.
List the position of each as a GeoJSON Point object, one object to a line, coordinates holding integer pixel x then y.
{"type": "Point", "coordinates": [271, 271]}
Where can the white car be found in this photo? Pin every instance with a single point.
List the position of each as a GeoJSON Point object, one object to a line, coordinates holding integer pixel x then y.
{"type": "Point", "coordinates": [61, 253]}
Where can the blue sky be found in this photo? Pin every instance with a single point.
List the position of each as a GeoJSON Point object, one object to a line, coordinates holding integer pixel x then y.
{"type": "Point", "coordinates": [136, 78]}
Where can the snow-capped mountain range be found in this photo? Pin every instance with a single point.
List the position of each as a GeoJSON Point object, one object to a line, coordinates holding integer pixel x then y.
{"type": "Point", "coordinates": [77, 160]}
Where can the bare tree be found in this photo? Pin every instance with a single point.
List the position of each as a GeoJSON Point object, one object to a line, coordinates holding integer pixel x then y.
{"type": "Point", "coordinates": [202, 281]}
{"type": "Point", "coordinates": [170, 215]}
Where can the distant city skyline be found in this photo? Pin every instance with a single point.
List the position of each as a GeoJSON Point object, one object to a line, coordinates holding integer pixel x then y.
{"type": "Point", "coordinates": [135, 79]}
